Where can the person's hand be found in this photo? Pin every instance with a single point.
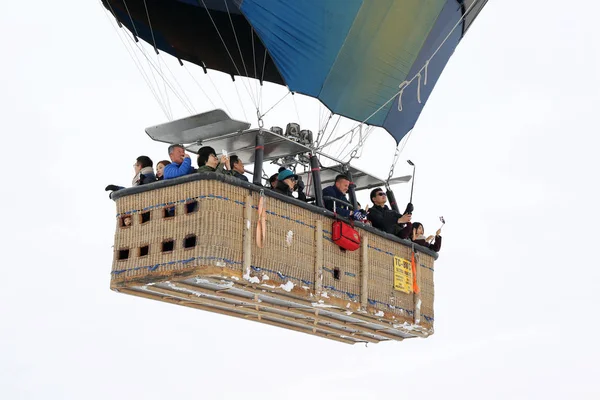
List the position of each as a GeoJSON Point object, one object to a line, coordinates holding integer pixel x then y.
{"type": "Point", "coordinates": [358, 216]}
{"type": "Point", "coordinates": [404, 219]}
{"type": "Point", "coordinates": [438, 232]}
{"type": "Point", "coordinates": [300, 185]}
{"type": "Point", "coordinates": [112, 187]}
{"type": "Point", "coordinates": [186, 155]}
{"type": "Point", "coordinates": [429, 238]}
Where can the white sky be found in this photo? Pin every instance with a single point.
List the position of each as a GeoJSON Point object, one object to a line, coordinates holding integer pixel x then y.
{"type": "Point", "coordinates": [505, 149]}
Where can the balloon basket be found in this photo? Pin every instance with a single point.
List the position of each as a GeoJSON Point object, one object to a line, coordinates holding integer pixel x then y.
{"type": "Point", "coordinates": [192, 242]}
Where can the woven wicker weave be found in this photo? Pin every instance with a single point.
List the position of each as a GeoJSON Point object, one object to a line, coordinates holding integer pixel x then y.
{"type": "Point", "coordinates": [283, 287]}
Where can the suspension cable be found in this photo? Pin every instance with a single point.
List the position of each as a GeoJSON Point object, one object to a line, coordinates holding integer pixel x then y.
{"type": "Point", "coordinates": [342, 147]}
{"type": "Point", "coordinates": [235, 36]}
{"type": "Point", "coordinates": [260, 116]}
{"type": "Point", "coordinates": [218, 92]}
{"type": "Point", "coordinates": [150, 25]}
{"type": "Point", "coordinates": [296, 107]}
{"type": "Point", "coordinates": [136, 62]}
{"type": "Point", "coordinates": [158, 70]}
{"type": "Point", "coordinates": [165, 80]}
{"type": "Point", "coordinates": [405, 141]}
{"type": "Point", "coordinates": [360, 138]}
{"type": "Point", "coordinates": [170, 117]}
{"type": "Point", "coordinates": [225, 45]}
{"type": "Point", "coordinates": [323, 126]}
{"type": "Point", "coordinates": [191, 104]}
{"type": "Point", "coordinates": [240, 99]}
{"type": "Point", "coordinates": [157, 56]}
{"type": "Point", "coordinates": [199, 86]}
{"type": "Point", "coordinates": [240, 51]}
{"type": "Point", "coordinates": [353, 153]}
{"type": "Point", "coordinates": [262, 77]}
{"type": "Point", "coordinates": [331, 132]}
{"type": "Point", "coordinates": [254, 63]}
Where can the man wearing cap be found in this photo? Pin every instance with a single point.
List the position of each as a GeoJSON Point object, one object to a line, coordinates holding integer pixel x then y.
{"type": "Point", "coordinates": [387, 220]}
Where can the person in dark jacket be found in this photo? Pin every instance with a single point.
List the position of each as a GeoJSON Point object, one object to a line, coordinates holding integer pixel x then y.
{"type": "Point", "coordinates": [286, 180]}
{"type": "Point", "coordinates": [418, 236]}
{"type": "Point", "coordinates": [299, 188]}
{"type": "Point", "coordinates": [287, 183]}
{"type": "Point", "coordinates": [144, 173]}
{"type": "Point", "coordinates": [160, 168]}
{"type": "Point", "coordinates": [272, 181]}
{"type": "Point", "coordinates": [387, 220]}
{"type": "Point", "coordinates": [181, 163]}
{"type": "Point", "coordinates": [209, 162]}
{"type": "Point", "coordinates": [237, 168]}
{"type": "Point", "coordinates": [338, 191]}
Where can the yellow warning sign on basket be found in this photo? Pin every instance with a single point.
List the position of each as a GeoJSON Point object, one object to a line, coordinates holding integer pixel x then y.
{"type": "Point", "coordinates": [403, 278]}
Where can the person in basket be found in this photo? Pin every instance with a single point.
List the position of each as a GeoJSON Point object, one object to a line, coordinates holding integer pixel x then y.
{"type": "Point", "coordinates": [387, 220]}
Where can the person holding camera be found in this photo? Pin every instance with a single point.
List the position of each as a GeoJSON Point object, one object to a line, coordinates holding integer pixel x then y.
{"type": "Point", "coordinates": [288, 183]}
{"type": "Point", "coordinates": [387, 220]}
{"type": "Point", "coordinates": [431, 242]}
{"type": "Point", "coordinates": [209, 162]}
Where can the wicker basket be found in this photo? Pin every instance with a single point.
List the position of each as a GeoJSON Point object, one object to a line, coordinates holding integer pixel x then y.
{"type": "Point", "coordinates": [192, 242]}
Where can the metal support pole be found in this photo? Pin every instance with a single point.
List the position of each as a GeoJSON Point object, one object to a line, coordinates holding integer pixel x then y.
{"type": "Point", "coordinates": [318, 259]}
{"type": "Point", "coordinates": [410, 208]}
{"type": "Point", "coordinates": [247, 238]}
{"type": "Point", "coordinates": [259, 152]}
{"type": "Point", "coordinates": [364, 272]}
{"type": "Point", "coordinates": [315, 169]}
{"type": "Point", "coordinates": [352, 191]}
{"type": "Point", "coordinates": [392, 199]}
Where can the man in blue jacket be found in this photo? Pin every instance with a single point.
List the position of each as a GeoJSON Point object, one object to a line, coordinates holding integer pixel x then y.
{"type": "Point", "coordinates": [338, 191]}
{"type": "Point", "coordinates": [181, 163]}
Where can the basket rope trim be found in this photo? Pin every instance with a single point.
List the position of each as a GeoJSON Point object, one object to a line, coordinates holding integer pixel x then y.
{"type": "Point", "coordinates": [242, 203]}
{"type": "Point", "coordinates": [170, 203]}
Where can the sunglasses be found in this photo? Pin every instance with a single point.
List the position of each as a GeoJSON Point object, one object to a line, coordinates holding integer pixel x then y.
{"type": "Point", "coordinates": [381, 194]}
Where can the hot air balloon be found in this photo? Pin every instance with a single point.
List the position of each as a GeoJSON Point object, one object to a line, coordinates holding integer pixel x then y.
{"type": "Point", "coordinates": [218, 244]}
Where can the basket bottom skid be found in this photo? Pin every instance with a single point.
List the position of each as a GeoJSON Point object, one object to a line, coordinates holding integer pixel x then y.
{"type": "Point", "coordinates": [226, 292]}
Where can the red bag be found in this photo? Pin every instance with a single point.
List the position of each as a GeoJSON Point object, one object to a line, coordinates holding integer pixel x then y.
{"type": "Point", "coordinates": [345, 236]}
